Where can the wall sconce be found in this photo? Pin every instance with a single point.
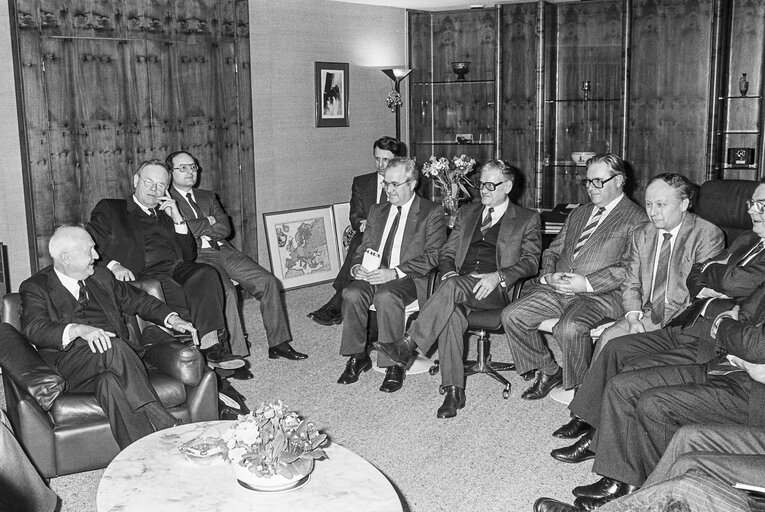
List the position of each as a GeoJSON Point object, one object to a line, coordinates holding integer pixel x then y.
{"type": "Point", "coordinates": [394, 98]}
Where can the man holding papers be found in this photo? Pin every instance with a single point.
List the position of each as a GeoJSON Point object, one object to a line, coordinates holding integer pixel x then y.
{"type": "Point", "coordinates": [406, 233]}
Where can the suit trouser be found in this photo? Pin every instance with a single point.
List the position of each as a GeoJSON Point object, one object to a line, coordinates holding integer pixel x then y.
{"type": "Point", "coordinates": [643, 409]}
{"type": "Point", "coordinates": [257, 281]}
{"type": "Point", "coordinates": [390, 300]}
{"type": "Point", "coordinates": [443, 318]}
{"type": "Point", "coordinates": [663, 347]}
{"type": "Point", "coordinates": [21, 488]}
{"type": "Point", "coordinates": [194, 291]}
{"type": "Point", "coordinates": [728, 453]}
{"type": "Point", "coordinates": [344, 275]}
{"type": "Point", "coordinates": [619, 329]}
{"type": "Point", "coordinates": [119, 380]}
{"type": "Point", "coordinates": [693, 492]}
{"type": "Point", "coordinates": [578, 314]}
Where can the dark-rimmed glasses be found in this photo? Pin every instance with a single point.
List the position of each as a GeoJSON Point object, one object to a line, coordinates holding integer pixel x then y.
{"type": "Point", "coordinates": [595, 182]}
{"type": "Point", "coordinates": [758, 205]}
{"type": "Point", "coordinates": [488, 185]}
{"type": "Point", "coordinates": [394, 184]}
{"type": "Point", "coordinates": [150, 184]}
{"type": "Point", "coordinates": [187, 168]}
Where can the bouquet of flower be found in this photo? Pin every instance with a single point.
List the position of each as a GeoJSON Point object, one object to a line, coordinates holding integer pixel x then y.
{"type": "Point", "coordinates": [450, 176]}
{"type": "Point", "coordinates": [272, 441]}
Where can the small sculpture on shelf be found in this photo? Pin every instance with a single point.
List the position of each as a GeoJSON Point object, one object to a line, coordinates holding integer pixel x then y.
{"type": "Point", "coordinates": [743, 85]}
{"type": "Point", "coordinates": [450, 176]}
{"type": "Point", "coordinates": [461, 69]}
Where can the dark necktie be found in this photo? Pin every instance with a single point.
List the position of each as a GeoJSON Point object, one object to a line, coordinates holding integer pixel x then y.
{"type": "Point", "coordinates": [383, 195]}
{"type": "Point", "coordinates": [589, 229]}
{"type": "Point", "coordinates": [752, 253]}
{"type": "Point", "coordinates": [194, 206]}
{"type": "Point", "coordinates": [660, 281]}
{"type": "Point", "coordinates": [83, 297]}
{"type": "Point", "coordinates": [388, 247]}
{"type": "Point", "coordinates": [153, 213]}
{"type": "Point", "coordinates": [486, 224]}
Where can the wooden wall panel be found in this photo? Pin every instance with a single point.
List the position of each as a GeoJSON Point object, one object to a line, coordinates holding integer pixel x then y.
{"type": "Point", "coordinates": [669, 100]}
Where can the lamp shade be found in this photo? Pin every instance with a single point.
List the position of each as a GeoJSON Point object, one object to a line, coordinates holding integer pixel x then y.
{"type": "Point", "coordinates": [397, 74]}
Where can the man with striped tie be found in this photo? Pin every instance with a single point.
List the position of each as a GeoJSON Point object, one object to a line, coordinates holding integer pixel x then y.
{"type": "Point", "coordinates": [493, 244]}
{"type": "Point", "coordinates": [580, 282]}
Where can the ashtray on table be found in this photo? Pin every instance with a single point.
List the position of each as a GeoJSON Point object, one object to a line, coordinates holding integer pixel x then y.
{"type": "Point", "coordinates": [203, 450]}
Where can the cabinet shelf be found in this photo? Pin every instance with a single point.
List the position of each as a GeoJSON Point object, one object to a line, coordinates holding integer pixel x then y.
{"type": "Point", "coordinates": [739, 97]}
{"type": "Point", "coordinates": [448, 143]}
{"type": "Point", "coordinates": [739, 132]}
{"type": "Point", "coordinates": [454, 82]}
{"type": "Point", "coordinates": [581, 100]}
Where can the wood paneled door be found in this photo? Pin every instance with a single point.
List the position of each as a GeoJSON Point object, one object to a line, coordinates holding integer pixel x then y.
{"type": "Point", "coordinates": [104, 85]}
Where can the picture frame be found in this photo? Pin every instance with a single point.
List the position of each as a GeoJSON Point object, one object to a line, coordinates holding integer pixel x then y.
{"type": "Point", "coordinates": [343, 229]}
{"type": "Point", "coordinates": [302, 246]}
{"type": "Point", "coordinates": [332, 88]}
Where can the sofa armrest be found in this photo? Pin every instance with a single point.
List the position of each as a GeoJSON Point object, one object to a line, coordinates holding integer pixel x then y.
{"type": "Point", "coordinates": [24, 366]}
{"type": "Point", "coordinates": [182, 362]}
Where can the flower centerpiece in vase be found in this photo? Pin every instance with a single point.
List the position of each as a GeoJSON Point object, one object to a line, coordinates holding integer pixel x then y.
{"type": "Point", "coordinates": [450, 176]}
{"type": "Point", "coordinates": [273, 449]}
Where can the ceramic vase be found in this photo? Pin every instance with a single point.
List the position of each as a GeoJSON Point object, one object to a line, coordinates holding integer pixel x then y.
{"type": "Point", "coordinates": [743, 85]}
{"type": "Point", "coordinates": [276, 483]}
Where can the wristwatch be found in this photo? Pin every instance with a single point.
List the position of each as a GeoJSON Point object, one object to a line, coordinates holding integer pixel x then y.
{"type": "Point", "coordinates": [502, 281]}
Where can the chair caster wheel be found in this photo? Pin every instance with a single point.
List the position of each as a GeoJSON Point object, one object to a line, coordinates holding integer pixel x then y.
{"type": "Point", "coordinates": [506, 393]}
{"type": "Point", "coordinates": [441, 390]}
{"type": "Point", "coordinates": [433, 369]}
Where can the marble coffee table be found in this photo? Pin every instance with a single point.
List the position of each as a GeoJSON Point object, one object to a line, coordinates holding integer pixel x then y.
{"type": "Point", "coordinates": [152, 475]}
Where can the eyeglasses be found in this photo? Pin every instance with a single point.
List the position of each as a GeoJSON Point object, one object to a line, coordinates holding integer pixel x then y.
{"type": "Point", "coordinates": [187, 168]}
{"type": "Point", "coordinates": [393, 184]}
{"type": "Point", "coordinates": [596, 182]}
{"type": "Point", "coordinates": [488, 185]}
{"type": "Point", "coordinates": [161, 187]}
{"type": "Point", "coordinates": [757, 205]}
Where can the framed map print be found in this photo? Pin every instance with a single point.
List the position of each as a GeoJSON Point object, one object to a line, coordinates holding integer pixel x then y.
{"type": "Point", "coordinates": [302, 246]}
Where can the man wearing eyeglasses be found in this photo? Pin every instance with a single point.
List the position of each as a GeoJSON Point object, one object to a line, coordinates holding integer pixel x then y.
{"type": "Point", "coordinates": [210, 226]}
{"type": "Point", "coordinates": [493, 244]}
{"type": "Point", "coordinates": [146, 237]}
{"type": "Point", "coordinates": [581, 275]}
{"type": "Point", "coordinates": [403, 237]}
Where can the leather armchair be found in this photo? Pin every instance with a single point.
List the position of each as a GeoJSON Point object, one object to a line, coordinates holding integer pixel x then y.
{"type": "Point", "coordinates": [66, 433]}
{"type": "Point", "coordinates": [723, 202]}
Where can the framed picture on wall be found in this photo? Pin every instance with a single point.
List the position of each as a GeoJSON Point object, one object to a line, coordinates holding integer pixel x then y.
{"type": "Point", "coordinates": [343, 229]}
{"type": "Point", "coordinates": [302, 246]}
{"type": "Point", "coordinates": [331, 94]}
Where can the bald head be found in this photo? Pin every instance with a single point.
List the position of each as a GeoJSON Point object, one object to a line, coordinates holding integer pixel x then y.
{"type": "Point", "coordinates": [73, 252]}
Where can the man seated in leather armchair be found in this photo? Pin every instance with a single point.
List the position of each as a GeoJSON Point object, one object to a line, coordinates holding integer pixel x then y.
{"type": "Point", "coordinates": [74, 314]}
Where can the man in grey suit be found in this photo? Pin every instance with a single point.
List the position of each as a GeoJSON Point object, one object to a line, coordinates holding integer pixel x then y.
{"type": "Point", "coordinates": [493, 244]}
{"type": "Point", "coordinates": [582, 273]}
{"type": "Point", "coordinates": [210, 226]}
{"type": "Point", "coordinates": [406, 233]}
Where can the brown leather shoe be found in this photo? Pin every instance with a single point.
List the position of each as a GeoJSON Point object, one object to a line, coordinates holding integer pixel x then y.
{"type": "Point", "coordinates": [543, 384]}
{"type": "Point", "coordinates": [353, 368]}
{"type": "Point", "coordinates": [551, 505]}
{"type": "Point", "coordinates": [454, 399]}
{"type": "Point", "coordinates": [394, 379]}
{"type": "Point", "coordinates": [573, 429]}
{"type": "Point", "coordinates": [576, 453]}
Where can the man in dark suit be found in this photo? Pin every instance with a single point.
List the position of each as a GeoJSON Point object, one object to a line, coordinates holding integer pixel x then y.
{"type": "Point", "coordinates": [661, 254]}
{"type": "Point", "coordinates": [581, 276]}
{"type": "Point", "coordinates": [146, 236]}
{"type": "Point", "coordinates": [210, 226]}
{"type": "Point", "coordinates": [73, 313]}
{"type": "Point", "coordinates": [406, 233]}
{"type": "Point", "coordinates": [717, 285]}
{"type": "Point", "coordinates": [366, 191]}
{"type": "Point", "coordinates": [493, 244]}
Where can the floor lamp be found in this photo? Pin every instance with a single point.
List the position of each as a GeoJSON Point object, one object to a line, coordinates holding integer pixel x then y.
{"type": "Point", "coordinates": [394, 98]}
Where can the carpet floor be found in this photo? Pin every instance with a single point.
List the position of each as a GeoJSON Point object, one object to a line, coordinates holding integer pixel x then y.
{"type": "Point", "coordinates": [494, 456]}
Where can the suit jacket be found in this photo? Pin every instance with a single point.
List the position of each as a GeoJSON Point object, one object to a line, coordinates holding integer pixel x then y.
{"type": "Point", "coordinates": [363, 197]}
{"type": "Point", "coordinates": [697, 240]}
{"type": "Point", "coordinates": [210, 206]}
{"type": "Point", "coordinates": [116, 227]}
{"type": "Point", "coordinates": [519, 243]}
{"type": "Point", "coordinates": [424, 234]}
{"type": "Point", "coordinates": [47, 308]}
{"type": "Point", "coordinates": [729, 278]}
{"type": "Point", "coordinates": [600, 260]}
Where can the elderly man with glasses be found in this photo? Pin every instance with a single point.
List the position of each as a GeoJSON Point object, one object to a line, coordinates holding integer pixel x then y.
{"type": "Point", "coordinates": [146, 237]}
{"type": "Point", "coordinates": [493, 244]}
{"type": "Point", "coordinates": [210, 226]}
{"type": "Point", "coordinates": [390, 268]}
{"type": "Point", "coordinates": [580, 282]}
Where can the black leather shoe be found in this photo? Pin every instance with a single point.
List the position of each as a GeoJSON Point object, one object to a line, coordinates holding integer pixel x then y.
{"type": "Point", "coordinates": [242, 373]}
{"type": "Point", "coordinates": [326, 315]}
{"type": "Point", "coordinates": [576, 453]}
{"type": "Point", "coordinates": [529, 375]}
{"type": "Point", "coordinates": [286, 351]}
{"type": "Point", "coordinates": [454, 399]}
{"type": "Point", "coordinates": [551, 505]}
{"type": "Point", "coordinates": [604, 488]}
{"type": "Point", "coordinates": [394, 379]}
{"type": "Point", "coordinates": [573, 429]}
{"type": "Point", "coordinates": [401, 352]}
{"type": "Point", "coordinates": [231, 398]}
{"type": "Point", "coordinates": [353, 368]}
{"type": "Point", "coordinates": [588, 503]}
{"type": "Point", "coordinates": [543, 385]}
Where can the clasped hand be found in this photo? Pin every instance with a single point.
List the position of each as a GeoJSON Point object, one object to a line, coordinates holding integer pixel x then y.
{"type": "Point", "coordinates": [567, 284]}
{"type": "Point", "coordinates": [375, 277]}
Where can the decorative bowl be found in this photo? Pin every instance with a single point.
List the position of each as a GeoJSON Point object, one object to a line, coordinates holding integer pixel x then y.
{"type": "Point", "coordinates": [580, 157]}
{"type": "Point", "coordinates": [461, 69]}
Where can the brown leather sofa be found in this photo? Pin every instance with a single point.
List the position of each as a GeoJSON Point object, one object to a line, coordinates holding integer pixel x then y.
{"type": "Point", "coordinates": [66, 433]}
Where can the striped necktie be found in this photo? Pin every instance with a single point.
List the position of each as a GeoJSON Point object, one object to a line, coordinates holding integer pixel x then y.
{"type": "Point", "coordinates": [658, 296]}
{"type": "Point", "coordinates": [588, 230]}
{"type": "Point", "coordinates": [83, 297]}
{"type": "Point", "coordinates": [754, 251]}
{"type": "Point", "coordinates": [486, 224]}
